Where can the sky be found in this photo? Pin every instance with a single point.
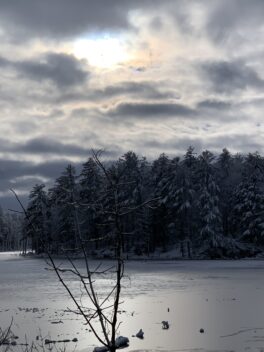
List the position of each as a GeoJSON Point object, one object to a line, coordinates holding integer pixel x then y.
{"type": "Point", "coordinates": [144, 75]}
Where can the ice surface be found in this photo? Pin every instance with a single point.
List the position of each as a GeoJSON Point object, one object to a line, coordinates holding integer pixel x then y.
{"type": "Point", "coordinates": [225, 298]}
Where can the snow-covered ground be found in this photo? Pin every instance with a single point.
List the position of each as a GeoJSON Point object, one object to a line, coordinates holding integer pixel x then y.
{"type": "Point", "coordinates": [225, 298]}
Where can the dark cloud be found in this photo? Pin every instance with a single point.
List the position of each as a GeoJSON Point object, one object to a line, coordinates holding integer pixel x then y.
{"type": "Point", "coordinates": [175, 145]}
{"type": "Point", "coordinates": [237, 142]}
{"type": "Point", "coordinates": [4, 62]}
{"type": "Point", "coordinates": [145, 89]}
{"type": "Point", "coordinates": [62, 18]}
{"type": "Point", "coordinates": [150, 110]}
{"type": "Point", "coordinates": [48, 146]}
{"type": "Point", "coordinates": [45, 147]}
{"type": "Point", "coordinates": [227, 76]}
{"type": "Point", "coordinates": [22, 176]}
{"type": "Point", "coordinates": [62, 69]}
{"type": "Point", "coordinates": [67, 18]}
{"type": "Point", "coordinates": [12, 174]}
{"type": "Point", "coordinates": [149, 90]}
{"type": "Point", "coordinates": [229, 18]}
{"type": "Point", "coordinates": [42, 146]}
{"type": "Point", "coordinates": [214, 104]}
{"type": "Point", "coordinates": [242, 143]}
{"type": "Point", "coordinates": [79, 93]}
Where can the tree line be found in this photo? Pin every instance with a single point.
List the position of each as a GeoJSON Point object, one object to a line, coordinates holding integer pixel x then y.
{"type": "Point", "coordinates": [196, 203]}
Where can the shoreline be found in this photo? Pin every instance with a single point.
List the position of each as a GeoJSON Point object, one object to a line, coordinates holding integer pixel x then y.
{"type": "Point", "coordinates": [259, 257]}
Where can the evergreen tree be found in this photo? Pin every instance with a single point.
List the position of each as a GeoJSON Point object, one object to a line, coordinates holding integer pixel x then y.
{"type": "Point", "coordinates": [183, 203]}
{"type": "Point", "coordinates": [38, 212]}
{"type": "Point", "coordinates": [160, 179]}
{"type": "Point", "coordinates": [249, 207]}
{"type": "Point", "coordinates": [90, 181]}
{"type": "Point", "coordinates": [227, 184]}
{"type": "Point", "coordinates": [210, 217]}
{"type": "Point", "coordinates": [63, 197]}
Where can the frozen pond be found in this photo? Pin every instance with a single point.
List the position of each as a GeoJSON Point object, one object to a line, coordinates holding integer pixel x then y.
{"type": "Point", "coordinates": [225, 298]}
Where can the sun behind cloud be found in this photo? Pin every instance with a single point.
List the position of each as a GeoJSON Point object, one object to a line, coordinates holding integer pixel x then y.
{"type": "Point", "coordinates": [102, 51]}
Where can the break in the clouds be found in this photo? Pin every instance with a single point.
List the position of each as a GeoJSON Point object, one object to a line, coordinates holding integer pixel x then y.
{"type": "Point", "coordinates": [147, 75]}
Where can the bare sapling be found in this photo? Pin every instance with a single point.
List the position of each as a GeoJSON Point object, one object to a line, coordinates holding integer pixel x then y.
{"type": "Point", "coordinates": [5, 334]}
{"type": "Point", "coordinates": [100, 311]}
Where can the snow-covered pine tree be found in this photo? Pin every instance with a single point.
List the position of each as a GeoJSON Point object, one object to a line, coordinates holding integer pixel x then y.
{"type": "Point", "coordinates": [162, 173]}
{"type": "Point", "coordinates": [183, 201]}
{"type": "Point", "coordinates": [248, 214]}
{"type": "Point", "coordinates": [227, 182]}
{"type": "Point", "coordinates": [63, 197]}
{"type": "Point", "coordinates": [183, 198]}
{"type": "Point", "coordinates": [210, 217]}
{"type": "Point", "coordinates": [142, 216]}
{"type": "Point", "coordinates": [170, 186]}
{"type": "Point", "coordinates": [133, 171]}
{"type": "Point", "coordinates": [189, 159]}
{"type": "Point", "coordinates": [90, 182]}
{"type": "Point", "coordinates": [38, 213]}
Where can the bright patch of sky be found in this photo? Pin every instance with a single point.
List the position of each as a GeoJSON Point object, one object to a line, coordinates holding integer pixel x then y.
{"type": "Point", "coordinates": [102, 51]}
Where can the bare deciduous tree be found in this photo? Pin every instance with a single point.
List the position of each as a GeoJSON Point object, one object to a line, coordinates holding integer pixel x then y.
{"type": "Point", "coordinates": [103, 309]}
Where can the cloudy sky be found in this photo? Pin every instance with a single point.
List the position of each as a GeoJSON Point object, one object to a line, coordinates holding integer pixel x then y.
{"type": "Point", "coordinates": [148, 75]}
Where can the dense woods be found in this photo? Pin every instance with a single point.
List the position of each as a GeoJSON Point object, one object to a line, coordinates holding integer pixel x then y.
{"type": "Point", "coordinates": [203, 203]}
{"type": "Point", "coordinates": [10, 230]}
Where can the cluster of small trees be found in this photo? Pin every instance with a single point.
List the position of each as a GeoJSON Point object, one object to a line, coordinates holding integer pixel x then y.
{"type": "Point", "coordinates": [197, 201]}
{"type": "Point", "coordinates": [10, 231]}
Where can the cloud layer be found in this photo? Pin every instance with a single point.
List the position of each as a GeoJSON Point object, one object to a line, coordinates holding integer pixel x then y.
{"type": "Point", "coordinates": [182, 72]}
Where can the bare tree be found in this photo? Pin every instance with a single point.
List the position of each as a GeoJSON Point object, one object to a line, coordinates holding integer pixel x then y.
{"type": "Point", "coordinates": [103, 308]}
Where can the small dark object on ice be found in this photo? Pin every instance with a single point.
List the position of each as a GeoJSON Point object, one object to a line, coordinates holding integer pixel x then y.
{"type": "Point", "coordinates": [201, 331]}
{"type": "Point", "coordinates": [47, 341]}
{"type": "Point", "coordinates": [168, 309]}
{"type": "Point", "coordinates": [100, 349]}
{"type": "Point", "coordinates": [75, 339]}
{"type": "Point", "coordinates": [121, 341]}
{"type": "Point", "coordinates": [5, 342]}
{"type": "Point", "coordinates": [140, 334]}
{"type": "Point", "coordinates": [165, 325]}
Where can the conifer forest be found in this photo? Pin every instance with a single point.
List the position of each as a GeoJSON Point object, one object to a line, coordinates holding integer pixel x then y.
{"type": "Point", "coordinates": [205, 205]}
